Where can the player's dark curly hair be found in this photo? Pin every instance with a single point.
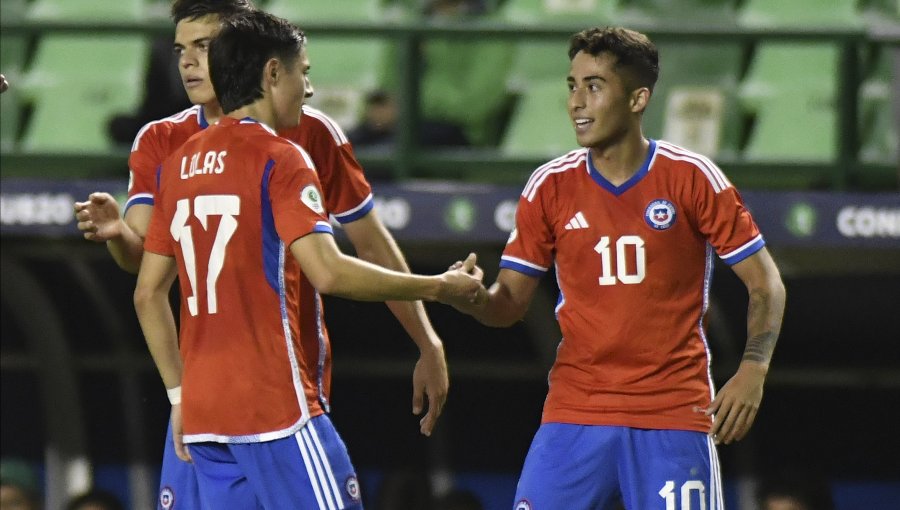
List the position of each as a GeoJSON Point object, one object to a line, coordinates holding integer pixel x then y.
{"type": "Point", "coordinates": [193, 9]}
{"type": "Point", "coordinates": [635, 54]}
{"type": "Point", "coordinates": [239, 53]}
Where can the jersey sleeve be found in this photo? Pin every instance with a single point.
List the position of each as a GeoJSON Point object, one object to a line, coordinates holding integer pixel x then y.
{"type": "Point", "coordinates": [348, 195]}
{"type": "Point", "coordinates": [159, 239]}
{"type": "Point", "coordinates": [529, 249]}
{"type": "Point", "coordinates": [724, 220]}
{"type": "Point", "coordinates": [295, 196]}
{"type": "Point", "coordinates": [147, 155]}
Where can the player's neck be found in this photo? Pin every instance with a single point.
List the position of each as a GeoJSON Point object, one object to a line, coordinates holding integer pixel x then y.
{"type": "Point", "coordinates": [212, 112]}
{"type": "Point", "coordinates": [259, 110]}
{"type": "Point", "coordinates": [620, 161]}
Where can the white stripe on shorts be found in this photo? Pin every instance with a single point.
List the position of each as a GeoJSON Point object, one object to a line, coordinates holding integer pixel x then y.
{"type": "Point", "coordinates": [330, 472]}
{"type": "Point", "coordinates": [320, 470]}
{"type": "Point", "coordinates": [309, 470]}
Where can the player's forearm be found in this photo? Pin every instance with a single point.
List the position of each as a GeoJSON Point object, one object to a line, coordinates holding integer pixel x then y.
{"type": "Point", "coordinates": [764, 315]}
{"type": "Point", "coordinates": [494, 307]}
{"type": "Point", "coordinates": [353, 278]}
{"type": "Point", "coordinates": [158, 325]}
{"type": "Point", "coordinates": [127, 249]}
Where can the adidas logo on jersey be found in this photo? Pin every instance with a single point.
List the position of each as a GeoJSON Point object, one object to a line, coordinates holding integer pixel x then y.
{"type": "Point", "coordinates": [577, 222]}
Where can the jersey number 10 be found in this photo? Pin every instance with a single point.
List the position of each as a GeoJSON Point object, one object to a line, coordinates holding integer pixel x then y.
{"type": "Point", "coordinates": [622, 274]}
{"type": "Point", "coordinates": [226, 206]}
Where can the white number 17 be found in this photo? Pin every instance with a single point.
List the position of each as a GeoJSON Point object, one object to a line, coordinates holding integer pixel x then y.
{"type": "Point", "coordinates": [226, 206]}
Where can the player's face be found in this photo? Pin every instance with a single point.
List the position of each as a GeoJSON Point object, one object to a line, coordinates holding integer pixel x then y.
{"type": "Point", "coordinates": [192, 37]}
{"type": "Point", "coordinates": [599, 104]}
{"type": "Point", "coordinates": [291, 91]}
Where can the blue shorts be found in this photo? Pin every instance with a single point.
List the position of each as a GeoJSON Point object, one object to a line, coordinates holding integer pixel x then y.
{"type": "Point", "coordinates": [310, 469]}
{"type": "Point", "coordinates": [177, 482]}
{"type": "Point", "coordinates": [581, 467]}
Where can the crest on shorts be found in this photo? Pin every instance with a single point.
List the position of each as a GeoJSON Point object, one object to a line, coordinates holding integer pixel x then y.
{"type": "Point", "coordinates": [523, 504]}
{"type": "Point", "coordinates": [660, 214]}
{"type": "Point", "coordinates": [166, 498]}
{"type": "Point", "coordinates": [312, 198]}
{"type": "Point", "coordinates": [352, 486]}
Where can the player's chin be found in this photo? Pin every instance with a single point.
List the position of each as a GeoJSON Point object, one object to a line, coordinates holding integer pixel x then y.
{"type": "Point", "coordinates": [201, 96]}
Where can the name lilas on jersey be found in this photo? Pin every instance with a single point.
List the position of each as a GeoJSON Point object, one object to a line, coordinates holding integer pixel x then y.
{"type": "Point", "coordinates": [213, 163]}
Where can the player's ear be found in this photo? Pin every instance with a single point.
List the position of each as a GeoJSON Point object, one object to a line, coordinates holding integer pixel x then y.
{"type": "Point", "coordinates": [639, 99]}
{"type": "Point", "coordinates": [271, 71]}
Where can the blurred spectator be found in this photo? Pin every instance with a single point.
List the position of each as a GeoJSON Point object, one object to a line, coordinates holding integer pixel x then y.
{"type": "Point", "coordinates": [380, 122]}
{"type": "Point", "coordinates": [95, 500]}
{"type": "Point", "coordinates": [163, 94]}
{"type": "Point", "coordinates": [795, 491]}
{"type": "Point", "coordinates": [19, 486]}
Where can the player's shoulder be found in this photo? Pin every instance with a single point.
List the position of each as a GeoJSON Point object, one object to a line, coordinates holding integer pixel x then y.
{"type": "Point", "coordinates": [279, 147]}
{"type": "Point", "coordinates": [184, 122]}
{"type": "Point", "coordinates": [685, 163]}
{"type": "Point", "coordinates": [318, 121]}
{"type": "Point", "coordinates": [553, 169]}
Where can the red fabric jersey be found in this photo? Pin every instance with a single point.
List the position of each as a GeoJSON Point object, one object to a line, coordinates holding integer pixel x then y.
{"type": "Point", "coordinates": [633, 264]}
{"type": "Point", "coordinates": [232, 199]}
{"type": "Point", "coordinates": [348, 195]}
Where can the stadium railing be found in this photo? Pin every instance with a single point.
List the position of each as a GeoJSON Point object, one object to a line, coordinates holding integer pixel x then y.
{"type": "Point", "coordinates": [407, 160]}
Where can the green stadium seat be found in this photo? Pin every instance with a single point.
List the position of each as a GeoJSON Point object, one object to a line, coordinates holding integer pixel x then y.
{"type": "Point", "coordinates": [464, 90]}
{"type": "Point", "coordinates": [879, 133]}
{"type": "Point", "coordinates": [10, 114]}
{"type": "Point", "coordinates": [327, 11]}
{"type": "Point", "coordinates": [86, 10]}
{"type": "Point", "coordinates": [12, 10]}
{"type": "Point", "coordinates": [73, 99]}
{"type": "Point", "coordinates": [343, 71]}
{"type": "Point", "coordinates": [799, 13]}
{"type": "Point", "coordinates": [12, 61]}
{"type": "Point", "coordinates": [540, 126]}
{"type": "Point", "coordinates": [793, 129]}
{"type": "Point", "coordinates": [682, 12]}
{"type": "Point", "coordinates": [575, 13]}
{"type": "Point", "coordinates": [694, 103]}
{"type": "Point", "coordinates": [790, 90]}
{"type": "Point", "coordinates": [795, 69]}
{"type": "Point", "coordinates": [537, 60]}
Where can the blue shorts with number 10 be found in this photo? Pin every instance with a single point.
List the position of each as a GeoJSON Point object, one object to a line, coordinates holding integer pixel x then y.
{"type": "Point", "coordinates": [592, 467]}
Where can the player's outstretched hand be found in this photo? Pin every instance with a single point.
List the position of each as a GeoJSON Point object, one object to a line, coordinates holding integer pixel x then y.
{"type": "Point", "coordinates": [735, 407]}
{"type": "Point", "coordinates": [178, 435]}
{"type": "Point", "coordinates": [462, 284]}
{"type": "Point", "coordinates": [98, 218]}
{"type": "Point", "coordinates": [430, 379]}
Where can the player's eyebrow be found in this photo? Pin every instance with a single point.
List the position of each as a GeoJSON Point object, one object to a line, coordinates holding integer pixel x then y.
{"type": "Point", "coordinates": [587, 78]}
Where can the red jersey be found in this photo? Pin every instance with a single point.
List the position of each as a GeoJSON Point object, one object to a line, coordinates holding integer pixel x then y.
{"type": "Point", "coordinates": [232, 199]}
{"type": "Point", "coordinates": [633, 264]}
{"type": "Point", "coordinates": [348, 195]}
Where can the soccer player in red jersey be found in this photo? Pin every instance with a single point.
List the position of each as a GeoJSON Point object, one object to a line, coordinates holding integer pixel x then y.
{"type": "Point", "coordinates": [347, 196]}
{"type": "Point", "coordinates": [631, 226]}
{"type": "Point", "coordinates": [240, 217]}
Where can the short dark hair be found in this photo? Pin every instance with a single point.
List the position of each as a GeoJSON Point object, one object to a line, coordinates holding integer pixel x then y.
{"type": "Point", "coordinates": [193, 9]}
{"type": "Point", "coordinates": [239, 53]}
{"type": "Point", "coordinates": [634, 52]}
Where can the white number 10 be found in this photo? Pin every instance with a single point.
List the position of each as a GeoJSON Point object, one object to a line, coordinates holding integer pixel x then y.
{"type": "Point", "coordinates": [668, 493]}
{"type": "Point", "coordinates": [226, 206]}
{"type": "Point", "coordinates": [622, 275]}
